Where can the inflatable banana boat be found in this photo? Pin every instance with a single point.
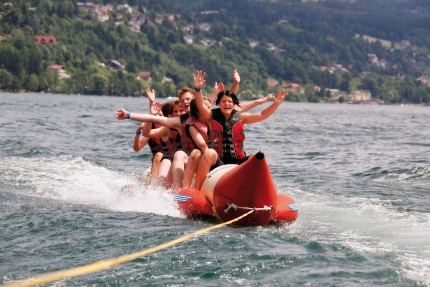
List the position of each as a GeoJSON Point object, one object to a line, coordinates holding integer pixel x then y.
{"type": "Point", "coordinates": [230, 191]}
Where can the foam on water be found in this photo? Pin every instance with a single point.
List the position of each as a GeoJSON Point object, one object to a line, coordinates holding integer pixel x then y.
{"type": "Point", "coordinates": [367, 226]}
{"type": "Point", "coordinates": [74, 180]}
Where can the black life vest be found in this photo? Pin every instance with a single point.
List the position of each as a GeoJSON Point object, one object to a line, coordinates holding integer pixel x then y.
{"type": "Point", "coordinates": [227, 136]}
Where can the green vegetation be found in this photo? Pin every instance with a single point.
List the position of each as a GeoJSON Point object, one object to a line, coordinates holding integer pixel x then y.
{"type": "Point", "coordinates": [311, 44]}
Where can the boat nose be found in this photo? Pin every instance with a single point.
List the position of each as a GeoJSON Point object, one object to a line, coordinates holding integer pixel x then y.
{"type": "Point", "coordinates": [259, 155]}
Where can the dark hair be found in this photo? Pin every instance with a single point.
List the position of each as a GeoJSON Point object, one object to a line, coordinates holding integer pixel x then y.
{"type": "Point", "coordinates": [227, 93]}
{"type": "Point", "coordinates": [167, 108]}
{"type": "Point", "coordinates": [194, 111]}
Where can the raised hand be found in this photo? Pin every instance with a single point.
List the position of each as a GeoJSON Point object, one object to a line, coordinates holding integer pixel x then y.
{"type": "Point", "coordinates": [236, 76]}
{"type": "Point", "coordinates": [121, 114]}
{"type": "Point", "coordinates": [199, 79]}
{"type": "Point", "coordinates": [218, 88]}
{"type": "Point", "coordinates": [264, 99]}
{"type": "Point", "coordinates": [140, 128]}
{"type": "Point", "coordinates": [151, 95]}
{"type": "Point", "coordinates": [156, 109]}
{"type": "Point", "coordinates": [280, 97]}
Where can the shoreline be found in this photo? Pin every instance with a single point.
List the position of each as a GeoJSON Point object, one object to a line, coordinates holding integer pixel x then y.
{"type": "Point", "coordinates": [371, 103]}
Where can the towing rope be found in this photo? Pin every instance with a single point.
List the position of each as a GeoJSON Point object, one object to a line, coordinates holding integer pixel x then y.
{"type": "Point", "coordinates": [235, 207]}
{"type": "Point", "coordinates": [108, 263]}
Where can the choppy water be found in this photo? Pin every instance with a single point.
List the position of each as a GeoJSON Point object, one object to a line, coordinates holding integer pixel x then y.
{"type": "Point", "coordinates": [360, 175]}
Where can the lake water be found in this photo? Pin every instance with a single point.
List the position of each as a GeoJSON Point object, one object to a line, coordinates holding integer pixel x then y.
{"type": "Point", "coordinates": [360, 176]}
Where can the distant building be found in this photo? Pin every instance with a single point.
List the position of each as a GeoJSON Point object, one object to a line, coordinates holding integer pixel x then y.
{"type": "Point", "coordinates": [62, 74]}
{"type": "Point", "coordinates": [425, 79]}
{"type": "Point", "coordinates": [253, 44]}
{"type": "Point", "coordinates": [271, 83]}
{"type": "Point", "coordinates": [293, 87]}
{"type": "Point", "coordinates": [188, 29]}
{"type": "Point", "coordinates": [205, 26]}
{"type": "Point", "coordinates": [45, 39]}
{"type": "Point", "coordinates": [115, 64]}
{"type": "Point", "coordinates": [188, 39]}
{"type": "Point", "coordinates": [144, 75]}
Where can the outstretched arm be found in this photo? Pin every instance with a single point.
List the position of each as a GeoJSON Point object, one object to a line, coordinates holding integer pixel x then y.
{"type": "Point", "coordinates": [267, 112]}
{"type": "Point", "coordinates": [174, 123]}
{"type": "Point", "coordinates": [199, 82]}
{"type": "Point", "coordinates": [244, 107]}
{"type": "Point", "coordinates": [236, 81]}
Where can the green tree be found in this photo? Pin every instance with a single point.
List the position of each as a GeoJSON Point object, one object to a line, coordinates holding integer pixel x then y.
{"type": "Point", "coordinates": [6, 79]}
{"type": "Point", "coordinates": [32, 83]}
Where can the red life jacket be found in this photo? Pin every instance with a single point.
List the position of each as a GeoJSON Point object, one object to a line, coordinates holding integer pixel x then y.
{"type": "Point", "coordinates": [155, 144]}
{"type": "Point", "coordinates": [227, 136]}
{"type": "Point", "coordinates": [169, 146]}
{"type": "Point", "coordinates": [186, 143]}
{"type": "Point", "coordinates": [201, 127]}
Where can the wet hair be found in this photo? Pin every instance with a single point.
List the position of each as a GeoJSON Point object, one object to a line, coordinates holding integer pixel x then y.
{"type": "Point", "coordinates": [167, 108]}
{"type": "Point", "coordinates": [185, 90]}
{"type": "Point", "coordinates": [194, 111]}
{"type": "Point", "coordinates": [227, 93]}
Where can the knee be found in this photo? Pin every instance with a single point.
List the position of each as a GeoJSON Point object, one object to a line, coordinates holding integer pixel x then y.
{"type": "Point", "coordinates": [211, 154]}
{"type": "Point", "coordinates": [195, 154]}
{"type": "Point", "coordinates": [158, 156]}
{"type": "Point", "coordinates": [179, 155]}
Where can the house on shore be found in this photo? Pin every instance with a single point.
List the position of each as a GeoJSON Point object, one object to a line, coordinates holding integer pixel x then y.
{"type": "Point", "coordinates": [45, 39]}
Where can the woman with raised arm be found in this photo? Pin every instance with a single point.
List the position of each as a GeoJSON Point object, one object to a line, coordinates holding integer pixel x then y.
{"type": "Point", "coordinates": [226, 127]}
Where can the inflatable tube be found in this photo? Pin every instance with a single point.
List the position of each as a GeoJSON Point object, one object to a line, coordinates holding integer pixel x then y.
{"type": "Point", "coordinates": [232, 190]}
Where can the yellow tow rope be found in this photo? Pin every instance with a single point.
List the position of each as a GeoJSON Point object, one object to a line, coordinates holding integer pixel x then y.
{"type": "Point", "coordinates": [108, 263]}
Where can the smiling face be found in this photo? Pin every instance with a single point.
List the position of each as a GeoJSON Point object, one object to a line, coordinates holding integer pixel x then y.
{"type": "Point", "coordinates": [185, 100]}
{"type": "Point", "coordinates": [226, 105]}
{"type": "Point", "coordinates": [177, 111]}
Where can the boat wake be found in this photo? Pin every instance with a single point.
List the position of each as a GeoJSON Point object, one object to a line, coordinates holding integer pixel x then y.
{"type": "Point", "coordinates": [367, 226]}
{"type": "Point", "coordinates": [74, 180]}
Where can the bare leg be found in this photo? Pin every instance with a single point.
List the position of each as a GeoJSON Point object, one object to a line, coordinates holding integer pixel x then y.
{"type": "Point", "coordinates": [178, 165]}
{"type": "Point", "coordinates": [169, 179]}
{"type": "Point", "coordinates": [190, 169]}
{"type": "Point", "coordinates": [163, 171]}
{"type": "Point", "coordinates": [208, 159]}
{"type": "Point", "coordinates": [155, 166]}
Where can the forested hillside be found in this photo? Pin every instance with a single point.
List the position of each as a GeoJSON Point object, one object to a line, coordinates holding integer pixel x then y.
{"type": "Point", "coordinates": [122, 47]}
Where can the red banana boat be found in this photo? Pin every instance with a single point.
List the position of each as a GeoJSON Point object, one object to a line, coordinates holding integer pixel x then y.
{"type": "Point", "coordinates": [232, 190]}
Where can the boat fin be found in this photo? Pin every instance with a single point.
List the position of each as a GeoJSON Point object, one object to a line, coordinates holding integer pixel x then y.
{"type": "Point", "coordinates": [286, 210]}
{"type": "Point", "coordinates": [193, 204]}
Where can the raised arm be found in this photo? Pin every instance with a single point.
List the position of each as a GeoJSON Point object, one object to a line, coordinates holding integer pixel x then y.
{"type": "Point", "coordinates": [157, 133]}
{"type": "Point", "coordinates": [155, 109]}
{"type": "Point", "coordinates": [198, 139]}
{"type": "Point", "coordinates": [244, 107]}
{"type": "Point", "coordinates": [267, 112]}
{"type": "Point", "coordinates": [217, 88]}
{"type": "Point", "coordinates": [151, 97]}
{"type": "Point", "coordinates": [199, 82]}
{"type": "Point", "coordinates": [236, 81]}
{"type": "Point", "coordinates": [174, 123]}
{"type": "Point", "coordinates": [139, 142]}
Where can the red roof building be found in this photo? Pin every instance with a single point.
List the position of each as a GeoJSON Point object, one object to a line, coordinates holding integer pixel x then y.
{"type": "Point", "coordinates": [45, 39]}
{"type": "Point", "coordinates": [144, 75]}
